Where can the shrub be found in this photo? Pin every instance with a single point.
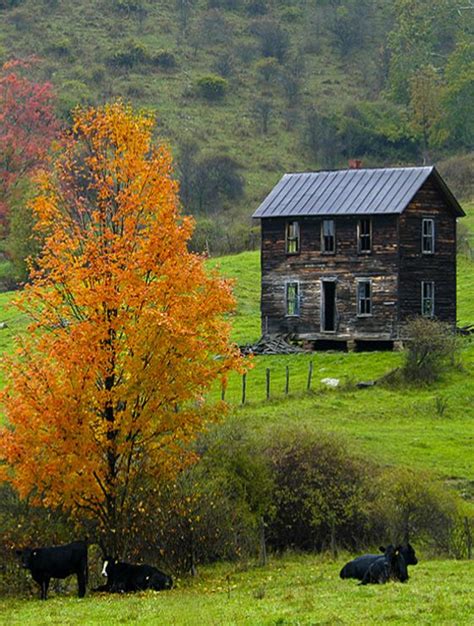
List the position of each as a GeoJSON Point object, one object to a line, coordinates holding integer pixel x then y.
{"type": "Point", "coordinates": [212, 87]}
{"type": "Point", "coordinates": [432, 347]}
{"type": "Point", "coordinates": [268, 68]}
{"type": "Point", "coordinates": [274, 40]}
{"type": "Point", "coordinates": [132, 54]}
{"type": "Point", "coordinates": [291, 14]}
{"type": "Point", "coordinates": [211, 29]}
{"type": "Point", "coordinates": [164, 59]}
{"type": "Point", "coordinates": [61, 47]}
{"type": "Point", "coordinates": [213, 511]}
{"type": "Point", "coordinates": [224, 65]}
{"type": "Point", "coordinates": [319, 494]}
{"type": "Point", "coordinates": [420, 510]}
{"type": "Point", "coordinates": [130, 7]}
{"type": "Point", "coordinates": [256, 7]}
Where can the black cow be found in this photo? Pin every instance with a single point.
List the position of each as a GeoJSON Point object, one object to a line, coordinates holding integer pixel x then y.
{"type": "Point", "coordinates": [124, 577]}
{"type": "Point", "coordinates": [390, 566]}
{"type": "Point", "coordinates": [57, 562]}
{"type": "Point", "coordinates": [359, 566]}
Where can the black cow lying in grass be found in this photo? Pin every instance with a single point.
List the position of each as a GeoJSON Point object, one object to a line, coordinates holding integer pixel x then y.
{"type": "Point", "coordinates": [358, 567]}
{"type": "Point", "coordinates": [124, 577]}
{"type": "Point", "coordinates": [56, 562]}
{"type": "Point", "coordinates": [390, 566]}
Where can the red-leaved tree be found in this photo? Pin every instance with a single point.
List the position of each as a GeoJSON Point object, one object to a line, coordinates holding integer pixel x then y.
{"type": "Point", "coordinates": [27, 127]}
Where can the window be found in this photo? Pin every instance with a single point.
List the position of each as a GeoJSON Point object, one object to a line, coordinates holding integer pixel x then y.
{"type": "Point", "coordinates": [292, 238]}
{"type": "Point", "coordinates": [364, 236]}
{"type": "Point", "coordinates": [427, 299]}
{"type": "Point", "coordinates": [328, 238]}
{"type": "Point", "coordinates": [364, 297]}
{"type": "Point", "coordinates": [292, 299]}
{"type": "Point", "coordinates": [427, 236]}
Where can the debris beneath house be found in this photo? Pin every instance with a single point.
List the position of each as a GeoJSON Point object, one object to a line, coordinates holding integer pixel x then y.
{"type": "Point", "coordinates": [272, 344]}
{"type": "Point", "coordinates": [465, 330]}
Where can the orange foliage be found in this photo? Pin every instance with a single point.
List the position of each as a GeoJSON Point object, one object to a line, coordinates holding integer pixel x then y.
{"type": "Point", "coordinates": [128, 333]}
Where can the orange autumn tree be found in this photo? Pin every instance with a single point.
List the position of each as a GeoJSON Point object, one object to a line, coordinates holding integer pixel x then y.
{"type": "Point", "coordinates": [128, 332]}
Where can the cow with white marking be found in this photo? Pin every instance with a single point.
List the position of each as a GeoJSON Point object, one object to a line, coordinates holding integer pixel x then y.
{"type": "Point", "coordinates": [124, 577]}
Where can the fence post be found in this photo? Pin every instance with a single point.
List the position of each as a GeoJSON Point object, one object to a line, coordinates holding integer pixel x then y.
{"type": "Point", "coordinates": [287, 385]}
{"type": "Point", "coordinates": [467, 526]}
{"type": "Point", "coordinates": [244, 386]}
{"type": "Point", "coordinates": [268, 383]}
{"type": "Point", "coordinates": [310, 375]}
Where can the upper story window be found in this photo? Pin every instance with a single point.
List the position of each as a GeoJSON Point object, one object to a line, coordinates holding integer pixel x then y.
{"type": "Point", "coordinates": [364, 236]}
{"type": "Point", "coordinates": [328, 237]}
{"type": "Point", "coordinates": [364, 297]}
{"type": "Point", "coordinates": [427, 236]}
{"type": "Point", "coordinates": [427, 298]}
{"type": "Point", "coordinates": [292, 298]}
{"type": "Point", "coordinates": [292, 237]}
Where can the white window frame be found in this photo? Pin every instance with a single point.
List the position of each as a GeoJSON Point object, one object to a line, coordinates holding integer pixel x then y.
{"type": "Point", "coordinates": [361, 235]}
{"type": "Point", "coordinates": [360, 313]}
{"type": "Point", "coordinates": [292, 236]}
{"type": "Point", "coordinates": [297, 300]}
{"type": "Point", "coordinates": [330, 235]}
{"type": "Point", "coordinates": [425, 298]}
{"type": "Point", "coordinates": [429, 237]}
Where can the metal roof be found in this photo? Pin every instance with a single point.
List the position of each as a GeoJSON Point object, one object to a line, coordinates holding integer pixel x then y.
{"type": "Point", "coordinates": [348, 192]}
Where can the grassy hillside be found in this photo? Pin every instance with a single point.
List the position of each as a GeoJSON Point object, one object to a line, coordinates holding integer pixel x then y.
{"type": "Point", "coordinates": [294, 590]}
{"type": "Point", "coordinates": [308, 85]}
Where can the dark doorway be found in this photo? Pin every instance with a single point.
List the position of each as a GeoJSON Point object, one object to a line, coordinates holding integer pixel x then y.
{"type": "Point", "coordinates": [328, 311]}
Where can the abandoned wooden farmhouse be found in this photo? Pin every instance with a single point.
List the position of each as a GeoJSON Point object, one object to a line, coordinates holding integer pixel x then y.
{"type": "Point", "coordinates": [350, 255]}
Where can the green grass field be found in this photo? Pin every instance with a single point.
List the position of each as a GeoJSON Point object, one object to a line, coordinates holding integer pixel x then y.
{"type": "Point", "coordinates": [292, 590]}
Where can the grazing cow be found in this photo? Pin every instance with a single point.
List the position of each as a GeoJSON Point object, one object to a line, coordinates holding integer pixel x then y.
{"type": "Point", "coordinates": [56, 562]}
{"type": "Point", "coordinates": [124, 577]}
{"type": "Point", "coordinates": [390, 566]}
{"type": "Point", "coordinates": [359, 566]}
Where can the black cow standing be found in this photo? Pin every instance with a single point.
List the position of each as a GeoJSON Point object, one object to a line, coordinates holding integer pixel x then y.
{"type": "Point", "coordinates": [358, 567]}
{"type": "Point", "coordinates": [124, 577]}
{"type": "Point", "coordinates": [390, 566]}
{"type": "Point", "coordinates": [57, 562]}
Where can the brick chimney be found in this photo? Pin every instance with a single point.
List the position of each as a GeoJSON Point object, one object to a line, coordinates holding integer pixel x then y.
{"type": "Point", "coordinates": [355, 164]}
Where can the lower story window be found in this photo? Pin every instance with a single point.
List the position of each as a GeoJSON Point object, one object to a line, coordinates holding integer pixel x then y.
{"type": "Point", "coordinates": [427, 298]}
{"type": "Point", "coordinates": [292, 298]}
{"type": "Point", "coordinates": [364, 297]}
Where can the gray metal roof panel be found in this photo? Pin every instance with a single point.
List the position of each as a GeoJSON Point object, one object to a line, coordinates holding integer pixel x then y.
{"type": "Point", "coordinates": [344, 192]}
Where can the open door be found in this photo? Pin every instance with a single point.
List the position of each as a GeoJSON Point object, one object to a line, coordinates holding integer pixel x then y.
{"type": "Point", "coordinates": [328, 306]}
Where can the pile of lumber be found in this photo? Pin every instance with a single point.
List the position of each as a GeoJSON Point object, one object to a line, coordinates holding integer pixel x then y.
{"type": "Point", "coordinates": [272, 344]}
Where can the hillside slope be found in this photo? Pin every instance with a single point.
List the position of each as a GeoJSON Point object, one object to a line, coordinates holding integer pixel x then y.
{"type": "Point", "coordinates": [305, 85]}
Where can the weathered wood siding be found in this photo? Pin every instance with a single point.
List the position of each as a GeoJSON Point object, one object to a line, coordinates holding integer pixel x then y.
{"type": "Point", "coordinates": [439, 267]}
{"type": "Point", "coordinates": [345, 266]}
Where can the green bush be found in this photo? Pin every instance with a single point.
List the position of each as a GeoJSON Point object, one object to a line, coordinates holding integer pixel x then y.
{"type": "Point", "coordinates": [432, 347]}
{"type": "Point", "coordinates": [319, 495]}
{"type": "Point", "coordinates": [212, 87]}
{"type": "Point", "coordinates": [164, 59]}
{"type": "Point", "coordinates": [213, 511]}
{"type": "Point", "coordinates": [268, 68]}
{"type": "Point", "coordinates": [420, 510]}
{"type": "Point", "coordinates": [132, 54]}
